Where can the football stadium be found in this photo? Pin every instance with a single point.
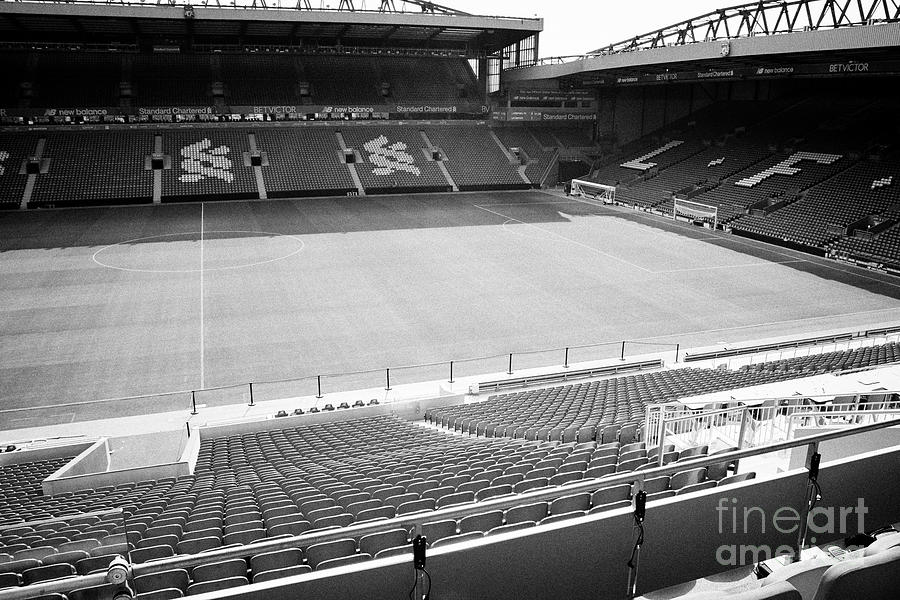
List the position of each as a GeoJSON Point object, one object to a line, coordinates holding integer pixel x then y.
{"type": "Point", "coordinates": [378, 300]}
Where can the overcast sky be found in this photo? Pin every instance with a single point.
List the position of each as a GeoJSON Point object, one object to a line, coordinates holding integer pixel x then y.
{"type": "Point", "coordinates": [579, 26]}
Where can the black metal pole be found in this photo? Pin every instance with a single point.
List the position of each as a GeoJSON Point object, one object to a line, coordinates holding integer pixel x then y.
{"type": "Point", "coordinates": [319, 385]}
{"type": "Point", "coordinates": [188, 425]}
{"type": "Point", "coordinates": [510, 372]}
{"type": "Point", "coordinates": [451, 372]}
{"type": "Point", "coordinates": [623, 349]}
{"type": "Point", "coordinates": [193, 403]}
{"type": "Point", "coordinates": [388, 375]}
{"type": "Point", "coordinates": [677, 351]}
{"type": "Point", "coordinates": [566, 363]}
{"type": "Point", "coordinates": [251, 393]}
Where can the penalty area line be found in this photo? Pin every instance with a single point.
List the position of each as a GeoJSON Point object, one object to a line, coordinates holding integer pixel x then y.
{"type": "Point", "coordinates": [562, 237]}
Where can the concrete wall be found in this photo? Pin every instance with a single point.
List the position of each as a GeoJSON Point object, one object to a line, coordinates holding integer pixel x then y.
{"type": "Point", "coordinates": [411, 410]}
{"type": "Point", "coordinates": [838, 449]}
{"type": "Point", "coordinates": [586, 557]}
{"type": "Point", "coordinates": [48, 453]}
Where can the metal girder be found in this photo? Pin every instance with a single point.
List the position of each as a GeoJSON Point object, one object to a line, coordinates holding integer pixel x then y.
{"type": "Point", "coordinates": [763, 17]}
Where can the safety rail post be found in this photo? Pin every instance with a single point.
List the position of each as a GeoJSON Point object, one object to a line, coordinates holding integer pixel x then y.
{"type": "Point", "coordinates": [451, 373]}
{"type": "Point", "coordinates": [623, 350]}
{"type": "Point", "coordinates": [188, 426]}
{"type": "Point", "coordinates": [388, 379]}
{"type": "Point", "coordinates": [811, 495]}
{"type": "Point", "coordinates": [566, 361]}
{"type": "Point", "coordinates": [251, 394]}
{"type": "Point", "coordinates": [319, 386]}
{"type": "Point", "coordinates": [193, 402]}
{"type": "Point", "coordinates": [510, 371]}
{"type": "Point", "coordinates": [677, 352]}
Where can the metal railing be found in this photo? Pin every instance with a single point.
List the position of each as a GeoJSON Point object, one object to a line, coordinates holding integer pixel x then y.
{"type": "Point", "coordinates": [757, 422]}
{"type": "Point", "coordinates": [318, 386]}
{"type": "Point", "coordinates": [415, 521]}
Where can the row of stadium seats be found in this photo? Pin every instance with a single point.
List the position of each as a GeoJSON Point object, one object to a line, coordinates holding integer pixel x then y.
{"type": "Point", "coordinates": [263, 485]}
{"type": "Point", "coordinates": [114, 167]}
{"type": "Point", "coordinates": [819, 216]}
{"type": "Point", "coordinates": [614, 408]}
{"type": "Point", "coordinates": [93, 79]}
{"type": "Point", "coordinates": [539, 159]}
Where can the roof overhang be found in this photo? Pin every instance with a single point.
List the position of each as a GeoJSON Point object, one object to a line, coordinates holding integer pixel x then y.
{"type": "Point", "coordinates": [107, 23]}
{"type": "Point", "coordinates": [723, 54]}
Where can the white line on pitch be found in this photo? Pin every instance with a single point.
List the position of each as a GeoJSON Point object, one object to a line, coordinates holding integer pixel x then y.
{"type": "Point", "coordinates": [571, 241]}
{"type": "Point", "coordinates": [760, 264]}
{"type": "Point", "coordinates": [202, 349]}
{"type": "Point", "coordinates": [529, 203]}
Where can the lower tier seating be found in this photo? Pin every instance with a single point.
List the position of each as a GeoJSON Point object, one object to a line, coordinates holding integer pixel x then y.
{"type": "Point", "coordinates": [14, 149]}
{"type": "Point", "coordinates": [394, 158]}
{"type": "Point", "coordinates": [208, 163]}
{"type": "Point", "coordinates": [94, 167]}
{"type": "Point", "coordinates": [474, 159]}
{"type": "Point", "coordinates": [821, 215]}
{"type": "Point", "coordinates": [604, 409]}
{"type": "Point", "coordinates": [303, 161]}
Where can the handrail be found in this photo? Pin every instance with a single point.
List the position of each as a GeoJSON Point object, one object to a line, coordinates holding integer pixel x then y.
{"type": "Point", "coordinates": [414, 520]}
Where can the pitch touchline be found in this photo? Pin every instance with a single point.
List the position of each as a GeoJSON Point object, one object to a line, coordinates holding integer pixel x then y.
{"type": "Point", "coordinates": [763, 246]}
{"type": "Point", "coordinates": [571, 241]}
{"type": "Point", "coordinates": [760, 264]}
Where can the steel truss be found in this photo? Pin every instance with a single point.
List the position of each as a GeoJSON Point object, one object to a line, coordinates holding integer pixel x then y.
{"type": "Point", "coordinates": [765, 17]}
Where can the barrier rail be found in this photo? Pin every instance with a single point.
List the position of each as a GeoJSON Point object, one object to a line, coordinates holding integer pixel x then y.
{"type": "Point", "coordinates": [756, 422]}
{"type": "Point", "coordinates": [416, 520]}
{"type": "Point", "coordinates": [319, 385]}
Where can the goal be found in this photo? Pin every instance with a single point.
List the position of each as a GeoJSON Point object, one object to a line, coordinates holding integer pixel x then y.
{"type": "Point", "coordinates": [597, 191]}
{"type": "Point", "coordinates": [695, 211]}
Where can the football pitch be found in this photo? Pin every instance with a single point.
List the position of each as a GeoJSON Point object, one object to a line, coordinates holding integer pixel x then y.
{"type": "Point", "coordinates": [125, 301]}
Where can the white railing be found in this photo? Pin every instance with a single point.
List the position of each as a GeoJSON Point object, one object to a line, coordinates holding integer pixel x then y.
{"type": "Point", "coordinates": [758, 422]}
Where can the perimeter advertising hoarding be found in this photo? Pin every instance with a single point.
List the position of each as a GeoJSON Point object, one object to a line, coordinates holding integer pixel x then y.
{"type": "Point", "coordinates": [838, 67]}
{"type": "Point", "coordinates": [547, 115]}
{"type": "Point", "coordinates": [60, 113]}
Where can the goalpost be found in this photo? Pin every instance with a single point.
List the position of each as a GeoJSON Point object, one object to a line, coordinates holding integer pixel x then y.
{"type": "Point", "coordinates": [696, 212]}
{"type": "Point", "coordinates": [597, 191]}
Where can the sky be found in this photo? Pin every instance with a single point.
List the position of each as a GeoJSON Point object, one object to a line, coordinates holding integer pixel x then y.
{"type": "Point", "coordinates": [579, 26]}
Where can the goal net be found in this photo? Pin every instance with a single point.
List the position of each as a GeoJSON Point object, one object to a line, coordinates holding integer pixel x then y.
{"type": "Point", "coordinates": [597, 191]}
{"type": "Point", "coordinates": [695, 211]}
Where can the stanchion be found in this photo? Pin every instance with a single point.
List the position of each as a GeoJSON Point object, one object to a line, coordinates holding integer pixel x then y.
{"type": "Point", "coordinates": [677, 351]}
{"type": "Point", "coordinates": [510, 371]}
{"type": "Point", "coordinates": [451, 372]}
{"type": "Point", "coordinates": [623, 350]}
{"type": "Point", "coordinates": [388, 376]}
{"type": "Point", "coordinates": [251, 394]}
{"type": "Point", "coordinates": [193, 403]}
{"type": "Point", "coordinates": [566, 362]}
{"type": "Point", "coordinates": [188, 425]}
{"type": "Point", "coordinates": [319, 386]}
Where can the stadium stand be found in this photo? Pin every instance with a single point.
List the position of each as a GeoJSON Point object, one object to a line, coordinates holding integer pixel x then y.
{"type": "Point", "coordinates": [613, 409]}
{"type": "Point", "coordinates": [394, 158]}
{"type": "Point", "coordinates": [823, 214]}
{"type": "Point", "coordinates": [303, 161]}
{"type": "Point", "coordinates": [94, 167]}
{"type": "Point", "coordinates": [167, 79]}
{"type": "Point", "coordinates": [207, 162]}
{"type": "Point", "coordinates": [474, 159]}
{"type": "Point", "coordinates": [437, 80]}
{"type": "Point", "coordinates": [15, 148]}
{"type": "Point", "coordinates": [84, 79]}
{"type": "Point", "coordinates": [536, 159]}
{"type": "Point", "coordinates": [260, 79]}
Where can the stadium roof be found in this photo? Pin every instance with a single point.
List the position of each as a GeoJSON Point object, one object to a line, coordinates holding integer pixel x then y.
{"type": "Point", "coordinates": [297, 24]}
{"type": "Point", "coordinates": [772, 34]}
